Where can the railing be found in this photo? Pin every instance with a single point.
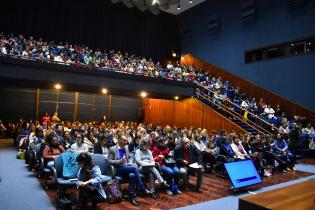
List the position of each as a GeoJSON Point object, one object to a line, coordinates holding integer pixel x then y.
{"type": "Point", "coordinates": [116, 70]}
{"type": "Point", "coordinates": [260, 123]}
{"type": "Point", "coordinates": [231, 113]}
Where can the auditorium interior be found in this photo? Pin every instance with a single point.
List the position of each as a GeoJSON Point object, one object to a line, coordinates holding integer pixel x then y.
{"type": "Point", "coordinates": [157, 105]}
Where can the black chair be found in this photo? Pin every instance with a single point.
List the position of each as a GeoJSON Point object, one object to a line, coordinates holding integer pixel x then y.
{"type": "Point", "coordinates": [44, 171]}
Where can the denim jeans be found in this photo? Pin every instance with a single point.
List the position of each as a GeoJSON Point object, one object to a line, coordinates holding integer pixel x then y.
{"type": "Point", "coordinates": [170, 173]}
{"type": "Point", "coordinates": [132, 173]}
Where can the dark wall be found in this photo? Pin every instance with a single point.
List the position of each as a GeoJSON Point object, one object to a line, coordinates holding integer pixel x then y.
{"type": "Point", "coordinates": [290, 77]}
{"type": "Point", "coordinates": [20, 103]}
{"type": "Point", "coordinates": [97, 24]}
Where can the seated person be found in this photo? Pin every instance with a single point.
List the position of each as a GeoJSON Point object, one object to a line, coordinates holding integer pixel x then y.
{"type": "Point", "coordinates": [238, 149]}
{"type": "Point", "coordinates": [160, 153]}
{"type": "Point", "coordinates": [51, 150]}
{"type": "Point", "coordinates": [90, 182]}
{"type": "Point", "coordinates": [101, 147]}
{"type": "Point", "coordinates": [207, 153]}
{"type": "Point", "coordinates": [67, 141]}
{"type": "Point", "coordinates": [79, 146]}
{"type": "Point", "coordinates": [255, 156]}
{"type": "Point", "coordinates": [226, 150]}
{"type": "Point", "coordinates": [146, 164]}
{"type": "Point", "coordinates": [311, 144]}
{"type": "Point", "coordinates": [119, 157]}
{"type": "Point", "coordinates": [281, 149]}
{"type": "Point", "coordinates": [186, 154]}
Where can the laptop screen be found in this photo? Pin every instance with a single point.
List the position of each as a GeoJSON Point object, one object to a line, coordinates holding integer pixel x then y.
{"type": "Point", "coordinates": [242, 173]}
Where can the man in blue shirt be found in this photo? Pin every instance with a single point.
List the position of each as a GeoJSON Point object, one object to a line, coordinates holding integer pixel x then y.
{"type": "Point", "coordinates": [119, 157]}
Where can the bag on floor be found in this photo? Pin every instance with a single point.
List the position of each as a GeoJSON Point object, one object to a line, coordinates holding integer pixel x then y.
{"type": "Point", "coordinates": [21, 155]}
{"type": "Point", "coordinates": [64, 204]}
{"type": "Point", "coordinates": [113, 191]}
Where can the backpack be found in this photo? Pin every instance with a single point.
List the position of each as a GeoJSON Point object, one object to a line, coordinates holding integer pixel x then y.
{"type": "Point", "coordinates": [113, 191]}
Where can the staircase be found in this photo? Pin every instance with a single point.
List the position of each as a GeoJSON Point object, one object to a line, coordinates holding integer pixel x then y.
{"type": "Point", "coordinates": [234, 112]}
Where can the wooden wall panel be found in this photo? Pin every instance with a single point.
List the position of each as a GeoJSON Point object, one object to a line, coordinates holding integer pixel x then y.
{"type": "Point", "coordinates": [186, 113]}
{"type": "Point", "coordinates": [251, 89]}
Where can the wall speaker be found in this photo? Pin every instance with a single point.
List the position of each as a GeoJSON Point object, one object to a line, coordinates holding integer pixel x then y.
{"type": "Point", "coordinates": [248, 11]}
{"type": "Point", "coordinates": [213, 24]}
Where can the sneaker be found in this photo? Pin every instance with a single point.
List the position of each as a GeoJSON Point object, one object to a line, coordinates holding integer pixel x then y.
{"type": "Point", "coordinates": [153, 195]}
{"type": "Point", "coordinates": [179, 192]}
{"type": "Point", "coordinates": [168, 192]}
{"type": "Point", "coordinates": [164, 184]}
{"type": "Point", "coordinates": [267, 173]}
{"type": "Point", "coordinates": [293, 168]}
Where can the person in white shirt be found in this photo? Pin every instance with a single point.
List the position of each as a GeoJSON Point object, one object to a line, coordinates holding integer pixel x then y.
{"type": "Point", "coordinates": [3, 50]}
{"type": "Point", "coordinates": [270, 112]}
{"type": "Point", "coordinates": [244, 104]}
{"type": "Point", "coordinates": [238, 149]}
{"type": "Point", "coordinates": [79, 146]}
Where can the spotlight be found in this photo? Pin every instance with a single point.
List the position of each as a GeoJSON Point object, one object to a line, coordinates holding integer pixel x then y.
{"type": "Point", "coordinates": [57, 86]}
{"type": "Point", "coordinates": [190, 1]}
{"type": "Point", "coordinates": [174, 54]}
{"type": "Point", "coordinates": [155, 2]}
{"type": "Point", "coordinates": [176, 97]}
{"type": "Point", "coordinates": [143, 94]}
{"type": "Point", "coordinates": [178, 6]}
{"type": "Point", "coordinates": [104, 91]}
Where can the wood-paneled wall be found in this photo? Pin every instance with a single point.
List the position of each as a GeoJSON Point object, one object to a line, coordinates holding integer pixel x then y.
{"type": "Point", "coordinates": [186, 113]}
{"type": "Point", "coordinates": [251, 89]}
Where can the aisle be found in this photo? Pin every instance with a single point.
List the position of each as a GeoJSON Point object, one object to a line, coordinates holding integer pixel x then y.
{"type": "Point", "coordinates": [19, 188]}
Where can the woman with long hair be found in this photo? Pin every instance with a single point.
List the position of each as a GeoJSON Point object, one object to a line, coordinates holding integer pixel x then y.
{"type": "Point", "coordinates": [144, 160]}
{"type": "Point", "coordinates": [51, 150]}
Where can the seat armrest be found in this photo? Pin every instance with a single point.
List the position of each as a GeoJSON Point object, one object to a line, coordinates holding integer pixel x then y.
{"type": "Point", "coordinates": [41, 164]}
{"type": "Point", "coordinates": [53, 169]}
{"type": "Point", "coordinates": [110, 171]}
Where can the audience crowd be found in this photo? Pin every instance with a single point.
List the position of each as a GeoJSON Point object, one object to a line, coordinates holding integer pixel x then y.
{"type": "Point", "coordinates": [163, 153]}
{"type": "Point", "coordinates": [216, 88]}
{"type": "Point", "coordinates": [80, 55]}
{"type": "Point", "coordinates": [224, 93]}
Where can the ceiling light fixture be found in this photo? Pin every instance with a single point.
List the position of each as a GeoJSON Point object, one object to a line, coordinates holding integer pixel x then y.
{"type": "Point", "coordinates": [190, 1]}
{"type": "Point", "coordinates": [57, 86]}
{"type": "Point", "coordinates": [104, 91]}
{"type": "Point", "coordinates": [143, 94]}
{"type": "Point", "coordinates": [155, 2]}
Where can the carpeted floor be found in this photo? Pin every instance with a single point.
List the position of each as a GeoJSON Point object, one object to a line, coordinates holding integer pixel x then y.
{"type": "Point", "coordinates": [19, 188]}
{"type": "Point", "coordinates": [307, 161]}
{"type": "Point", "coordinates": [213, 188]}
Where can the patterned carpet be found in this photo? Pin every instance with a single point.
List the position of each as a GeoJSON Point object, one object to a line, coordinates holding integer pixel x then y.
{"type": "Point", "coordinates": [308, 161]}
{"type": "Point", "coordinates": [213, 188]}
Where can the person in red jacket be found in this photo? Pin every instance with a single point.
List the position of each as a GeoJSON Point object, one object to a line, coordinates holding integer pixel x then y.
{"type": "Point", "coordinates": [160, 153]}
{"type": "Point", "coordinates": [46, 119]}
{"type": "Point", "coordinates": [51, 150]}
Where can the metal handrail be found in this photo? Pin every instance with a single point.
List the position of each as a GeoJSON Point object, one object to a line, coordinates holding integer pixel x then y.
{"type": "Point", "coordinates": [239, 116]}
{"type": "Point", "coordinates": [234, 104]}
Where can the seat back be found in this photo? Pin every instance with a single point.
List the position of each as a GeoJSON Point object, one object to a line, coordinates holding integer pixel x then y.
{"type": "Point", "coordinates": [102, 162]}
{"type": "Point", "coordinates": [58, 164]}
